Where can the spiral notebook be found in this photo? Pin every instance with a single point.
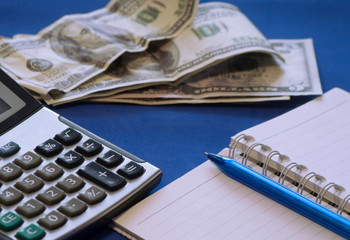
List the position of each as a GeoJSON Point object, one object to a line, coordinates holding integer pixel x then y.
{"type": "Point", "coordinates": [306, 149]}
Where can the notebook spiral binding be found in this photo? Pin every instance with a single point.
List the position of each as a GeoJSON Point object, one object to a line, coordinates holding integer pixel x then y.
{"type": "Point", "coordinates": [248, 145]}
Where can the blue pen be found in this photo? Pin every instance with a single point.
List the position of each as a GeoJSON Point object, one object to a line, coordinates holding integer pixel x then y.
{"type": "Point", "coordinates": [282, 195]}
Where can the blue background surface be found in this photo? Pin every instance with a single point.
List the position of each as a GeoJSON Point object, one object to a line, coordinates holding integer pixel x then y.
{"type": "Point", "coordinates": [175, 137]}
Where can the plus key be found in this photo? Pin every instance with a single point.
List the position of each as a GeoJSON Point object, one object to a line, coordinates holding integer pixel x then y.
{"type": "Point", "coordinates": [102, 176]}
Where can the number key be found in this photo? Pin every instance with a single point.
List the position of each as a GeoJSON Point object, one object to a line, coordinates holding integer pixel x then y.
{"type": "Point", "coordinates": [51, 196]}
{"type": "Point", "coordinates": [29, 184]}
{"type": "Point", "coordinates": [50, 172]}
{"type": "Point", "coordinates": [53, 220]}
{"type": "Point", "coordinates": [28, 161]}
{"type": "Point", "coordinates": [71, 184]}
{"type": "Point", "coordinates": [10, 172]}
{"type": "Point", "coordinates": [10, 196]}
{"type": "Point", "coordinates": [31, 208]}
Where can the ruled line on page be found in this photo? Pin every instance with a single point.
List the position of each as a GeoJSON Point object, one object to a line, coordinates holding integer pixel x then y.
{"type": "Point", "coordinates": [333, 108]}
{"type": "Point", "coordinates": [177, 199]}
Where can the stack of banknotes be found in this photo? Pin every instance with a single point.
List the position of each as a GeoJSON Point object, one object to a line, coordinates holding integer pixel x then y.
{"type": "Point", "coordinates": [159, 52]}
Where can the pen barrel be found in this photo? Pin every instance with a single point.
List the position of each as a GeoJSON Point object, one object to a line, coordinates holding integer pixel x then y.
{"type": "Point", "coordinates": [283, 195]}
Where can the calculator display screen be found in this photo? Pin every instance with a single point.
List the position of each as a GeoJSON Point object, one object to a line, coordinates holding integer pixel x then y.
{"type": "Point", "coordinates": [10, 103]}
{"type": "Point", "coordinates": [3, 106]}
{"type": "Point", "coordinates": [16, 104]}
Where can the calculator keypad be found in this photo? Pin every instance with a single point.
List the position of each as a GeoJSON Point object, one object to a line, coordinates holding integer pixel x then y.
{"type": "Point", "coordinates": [57, 181]}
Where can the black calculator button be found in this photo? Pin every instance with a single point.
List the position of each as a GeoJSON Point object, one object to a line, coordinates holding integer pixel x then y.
{"type": "Point", "coordinates": [9, 149]}
{"type": "Point", "coordinates": [49, 172]}
{"type": "Point", "coordinates": [53, 220]}
{"type": "Point", "coordinates": [31, 208]}
{"type": "Point", "coordinates": [29, 184]}
{"type": "Point", "coordinates": [92, 195]}
{"type": "Point", "coordinates": [89, 148]}
{"type": "Point", "coordinates": [70, 159]}
{"type": "Point", "coordinates": [10, 196]}
{"type": "Point", "coordinates": [131, 170]}
{"type": "Point", "coordinates": [31, 232]}
{"type": "Point", "coordinates": [10, 221]}
{"type": "Point", "coordinates": [110, 159]}
{"type": "Point", "coordinates": [73, 208]}
{"type": "Point", "coordinates": [51, 196]}
{"type": "Point", "coordinates": [28, 161]}
{"type": "Point", "coordinates": [102, 176]}
{"type": "Point", "coordinates": [49, 148]}
{"type": "Point", "coordinates": [9, 172]}
{"type": "Point", "coordinates": [68, 137]}
{"type": "Point", "coordinates": [71, 184]}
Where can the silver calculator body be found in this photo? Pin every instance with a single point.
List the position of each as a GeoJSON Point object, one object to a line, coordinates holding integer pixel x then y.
{"type": "Point", "coordinates": [45, 193]}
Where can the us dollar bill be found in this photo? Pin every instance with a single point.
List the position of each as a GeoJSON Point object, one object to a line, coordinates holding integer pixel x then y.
{"type": "Point", "coordinates": [248, 75]}
{"type": "Point", "coordinates": [77, 47]}
{"type": "Point", "coordinates": [169, 101]}
{"type": "Point", "coordinates": [218, 32]}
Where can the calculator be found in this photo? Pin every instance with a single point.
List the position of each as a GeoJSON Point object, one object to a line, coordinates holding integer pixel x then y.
{"type": "Point", "coordinates": [56, 177]}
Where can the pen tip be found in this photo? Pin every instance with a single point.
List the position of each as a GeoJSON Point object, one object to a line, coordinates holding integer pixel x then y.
{"type": "Point", "coordinates": [206, 153]}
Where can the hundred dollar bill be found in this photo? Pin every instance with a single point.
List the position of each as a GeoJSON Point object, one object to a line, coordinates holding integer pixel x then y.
{"type": "Point", "coordinates": [218, 32]}
{"type": "Point", "coordinates": [248, 75]}
{"type": "Point", "coordinates": [77, 47]}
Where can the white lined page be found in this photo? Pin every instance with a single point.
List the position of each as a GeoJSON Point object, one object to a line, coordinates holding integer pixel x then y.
{"type": "Point", "coordinates": [206, 204]}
